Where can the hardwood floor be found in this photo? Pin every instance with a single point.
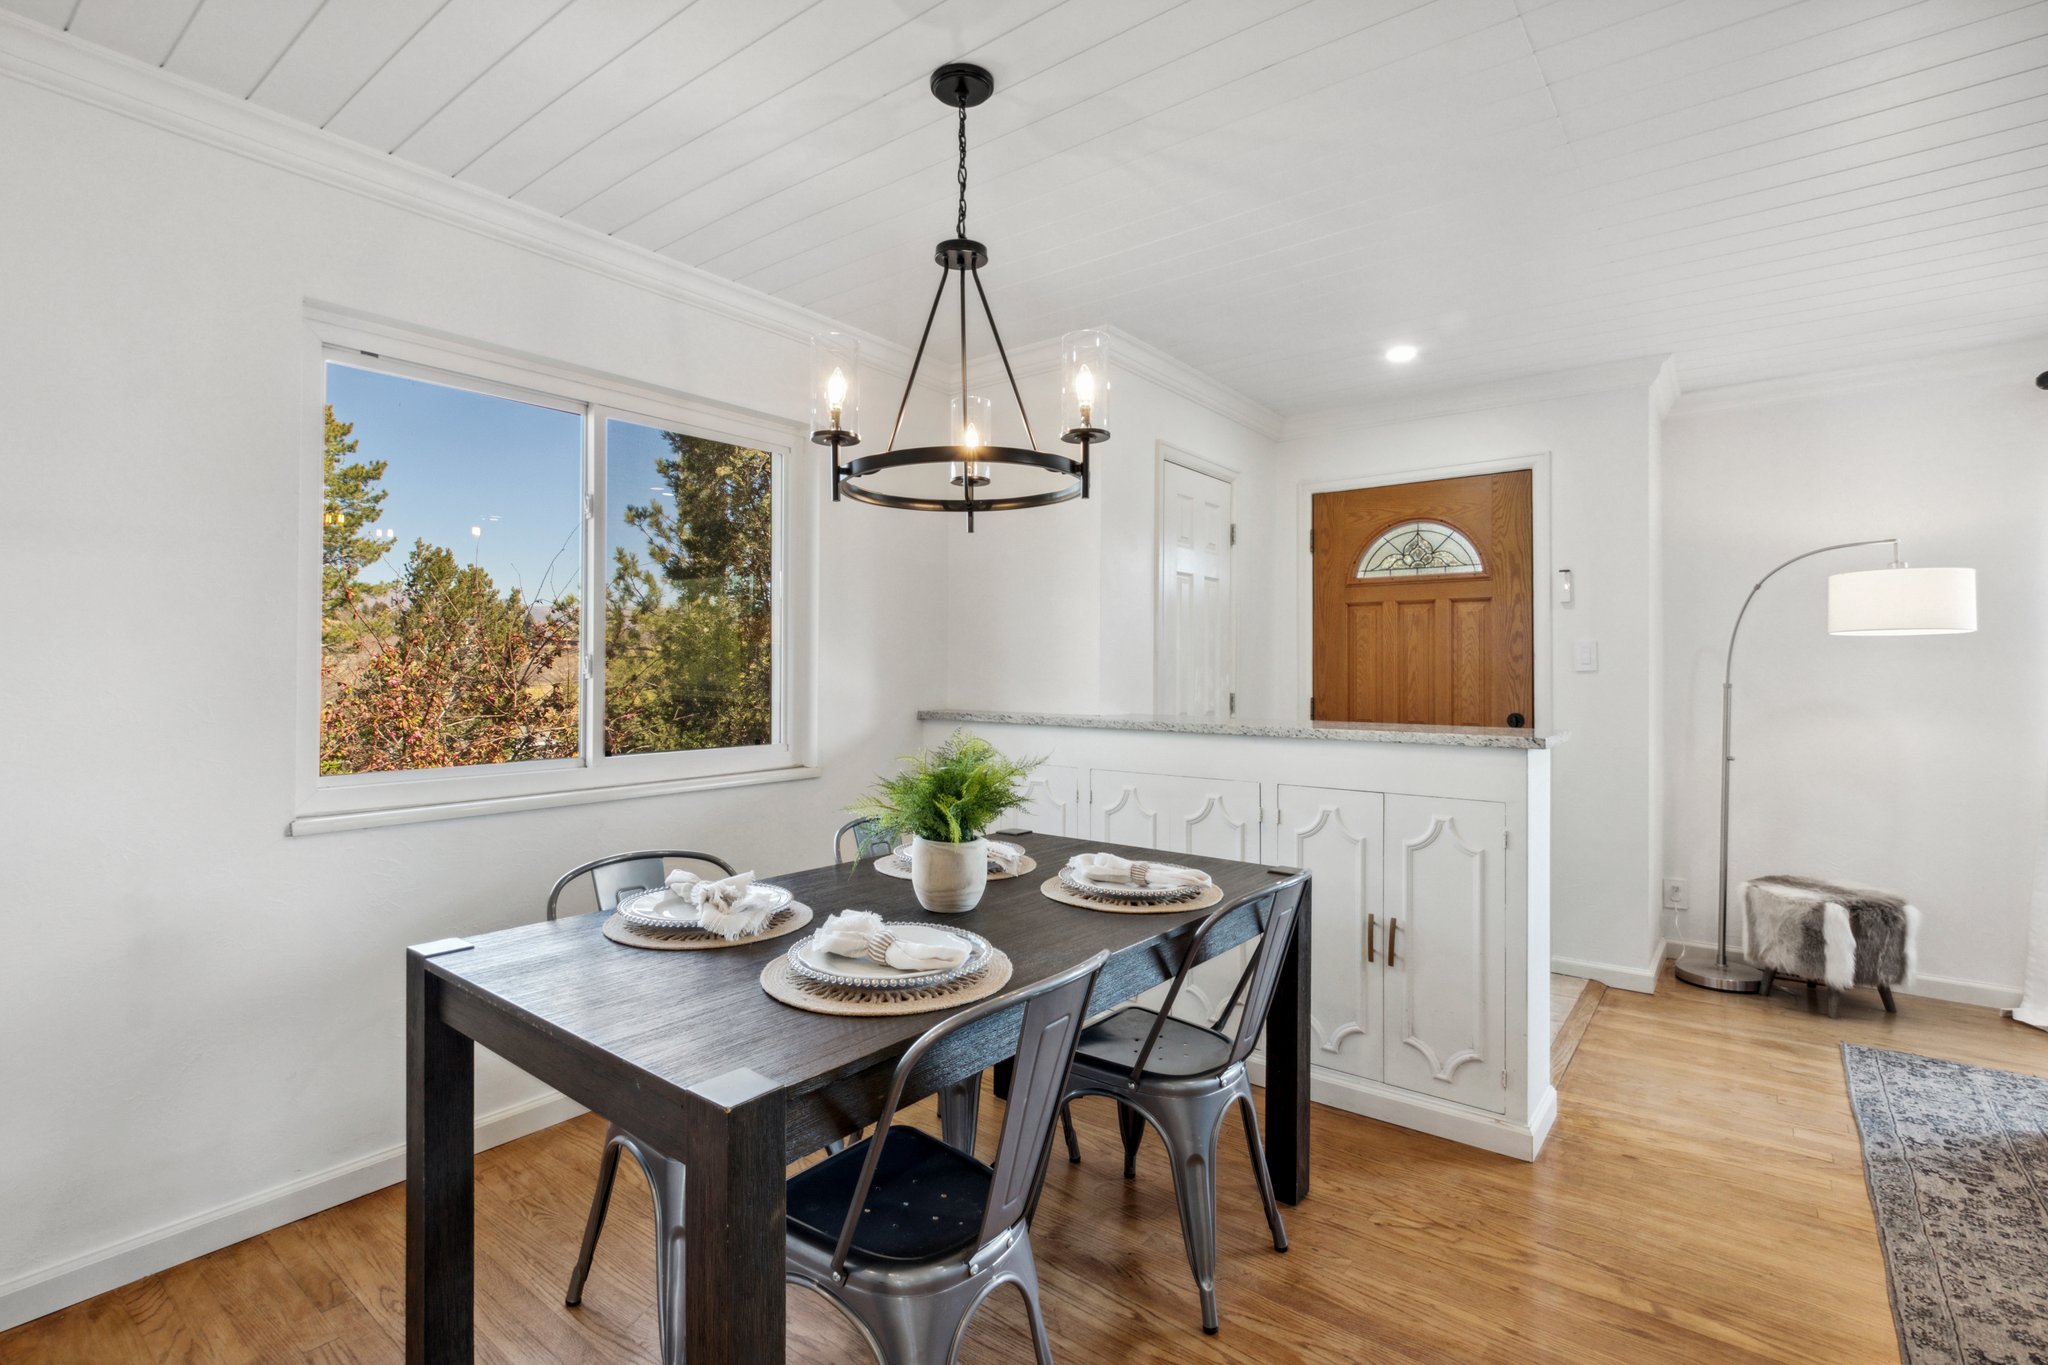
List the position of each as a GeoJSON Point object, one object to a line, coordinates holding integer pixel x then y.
{"type": "Point", "coordinates": [1701, 1199]}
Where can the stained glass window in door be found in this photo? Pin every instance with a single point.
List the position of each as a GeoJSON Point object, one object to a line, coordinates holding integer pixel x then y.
{"type": "Point", "coordinates": [1417, 548]}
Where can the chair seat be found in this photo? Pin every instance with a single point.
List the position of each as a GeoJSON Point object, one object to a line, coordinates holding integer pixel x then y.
{"type": "Point", "coordinates": [927, 1199]}
{"type": "Point", "coordinates": [1183, 1050]}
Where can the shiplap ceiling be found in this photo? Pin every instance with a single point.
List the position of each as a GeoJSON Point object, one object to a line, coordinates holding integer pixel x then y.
{"type": "Point", "coordinates": [1272, 190]}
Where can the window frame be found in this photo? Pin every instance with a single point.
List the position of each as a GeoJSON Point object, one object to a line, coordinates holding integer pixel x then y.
{"type": "Point", "coordinates": [359, 800]}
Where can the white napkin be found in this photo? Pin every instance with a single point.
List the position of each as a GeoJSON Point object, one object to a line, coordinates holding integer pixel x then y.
{"type": "Point", "coordinates": [1108, 868]}
{"type": "Point", "coordinates": [1005, 857]}
{"type": "Point", "coordinates": [721, 905]}
{"type": "Point", "coordinates": [861, 933]}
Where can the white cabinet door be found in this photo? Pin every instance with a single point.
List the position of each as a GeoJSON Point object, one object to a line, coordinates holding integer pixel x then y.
{"type": "Point", "coordinates": [1052, 804]}
{"type": "Point", "coordinates": [1444, 972]}
{"type": "Point", "coordinates": [1336, 835]}
{"type": "Point", "coordinates": [1211, 816]}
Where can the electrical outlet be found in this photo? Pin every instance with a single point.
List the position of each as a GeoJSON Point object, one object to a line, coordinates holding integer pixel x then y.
{"type": "Point", "coordinates": [1674, 893]}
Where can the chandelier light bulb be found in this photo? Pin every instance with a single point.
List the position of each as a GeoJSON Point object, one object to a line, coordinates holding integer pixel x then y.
{"type": "Point", "coordinates": [835, 393]}
{"type": "Point", "coordinates": [971, 437]}
{"type": "Point", "coordinates": [1084, 392]}
{"type": "Point", "coordinates": [1401, 354]}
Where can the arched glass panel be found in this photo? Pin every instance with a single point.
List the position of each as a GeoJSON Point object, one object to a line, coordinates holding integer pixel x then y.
{"type": "Point", "coordinates": [1415, 548]}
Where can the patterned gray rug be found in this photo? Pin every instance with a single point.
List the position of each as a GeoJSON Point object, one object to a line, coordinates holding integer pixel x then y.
{"type": "Point", "coordinates": [1957, 1159]}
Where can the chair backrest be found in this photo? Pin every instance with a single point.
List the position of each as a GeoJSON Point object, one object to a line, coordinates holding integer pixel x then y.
{"type": "Point", "coordinates": [1049, 1027]}
{"type": "Point", "coordinates": [859, 840]}
{"type": "Point", "coordinates": [627, 874]}
{"type": "Point", "coordinates": [1255, 985]}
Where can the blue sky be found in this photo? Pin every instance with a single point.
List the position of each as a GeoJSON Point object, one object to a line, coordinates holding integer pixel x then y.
{"type": "Point", "coordinates": [458, 459]}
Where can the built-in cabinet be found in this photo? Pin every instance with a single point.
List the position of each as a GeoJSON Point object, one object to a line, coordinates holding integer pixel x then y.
{"type": "Point", "coordinates": [1429, 986]}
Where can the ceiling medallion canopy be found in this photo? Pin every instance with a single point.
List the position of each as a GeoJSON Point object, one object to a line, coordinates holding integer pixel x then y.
{"type": "Point", "coordinates": [975, 464]}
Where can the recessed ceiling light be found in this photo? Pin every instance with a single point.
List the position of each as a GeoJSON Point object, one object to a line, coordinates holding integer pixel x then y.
{"type": "Point", "coordinates": [1402, 354]}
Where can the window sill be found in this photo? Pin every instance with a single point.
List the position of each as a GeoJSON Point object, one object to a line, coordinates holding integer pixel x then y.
{"type": "Point", "coordinates": [330, 822]}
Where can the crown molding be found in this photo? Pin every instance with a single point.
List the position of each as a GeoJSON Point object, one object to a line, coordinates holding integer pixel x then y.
{"type": "Point", "coordinates": [70, 67]}
{"type": "Point", "coordinates": [2022, 359]}
{"type": "Point", "coordinates": [1134, 356]}
{"type": "Point", "coordinates": [1655, 377]}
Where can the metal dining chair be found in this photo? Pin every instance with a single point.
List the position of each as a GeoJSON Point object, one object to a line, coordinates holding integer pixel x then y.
{"type": "Point", "coordinates": [613, 879]}
{"type": "Point", "coordinates": [908, 1234]}
{"type": "Point", "coordinates": [858, 840]}
{"type": "Point", "coordinates": [1184, 1079]}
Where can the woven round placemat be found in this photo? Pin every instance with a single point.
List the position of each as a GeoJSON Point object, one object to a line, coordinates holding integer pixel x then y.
{"type": "Point", "coordinates": [1053, 889]}
{"type": "Point", "coordinates": [619, 929]}
{"type": "Point", "coordinates": [784, 985]}
{"type": "Point", "coordinates": [886, 865]}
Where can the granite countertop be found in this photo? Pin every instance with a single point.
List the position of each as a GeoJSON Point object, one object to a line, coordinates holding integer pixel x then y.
{"type": "Point", "coordinates": [1466, 736]}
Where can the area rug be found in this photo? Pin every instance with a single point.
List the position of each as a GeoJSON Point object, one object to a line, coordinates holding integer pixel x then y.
{"type": "Point", "coordinates": [1957, 1160]}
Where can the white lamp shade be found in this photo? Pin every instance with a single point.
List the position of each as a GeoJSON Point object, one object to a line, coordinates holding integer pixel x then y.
{"type": "Point", "coordinates": [1903, 601]}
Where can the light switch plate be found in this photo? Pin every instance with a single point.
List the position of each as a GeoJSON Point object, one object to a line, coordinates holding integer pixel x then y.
{"type": "Point", "coordinates": [1586, 656]}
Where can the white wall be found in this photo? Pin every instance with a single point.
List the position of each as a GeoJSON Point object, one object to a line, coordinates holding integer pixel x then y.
{"type": "Point", "coordinates": [200, 1010]}
{"type": "Point", "coordinates": [1917, 764]}
{"type": "Point", "coordinates": [1595, 439]}
{"type": "Point", "coordinates": [1090, 569]}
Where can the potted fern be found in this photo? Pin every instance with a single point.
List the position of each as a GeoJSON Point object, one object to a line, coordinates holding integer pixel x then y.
{"type": "Point", "coordinates": [945, 799]}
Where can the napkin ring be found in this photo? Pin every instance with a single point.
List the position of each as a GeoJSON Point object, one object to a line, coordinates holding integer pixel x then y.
{"type": "Point", "coordinates": [1141, 874]}
{"type": "Point", "coordinates": [879, 944]}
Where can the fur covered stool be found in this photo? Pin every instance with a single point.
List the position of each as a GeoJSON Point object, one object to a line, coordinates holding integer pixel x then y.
{"type": "Point", "coordinates": [1836, 935]}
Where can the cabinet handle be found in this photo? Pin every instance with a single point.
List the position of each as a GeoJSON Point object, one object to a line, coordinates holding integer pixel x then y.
{"type": "Point", "coordinates": [1372, 933]}
{"type": "Point", "coordinates": [1393, 928]}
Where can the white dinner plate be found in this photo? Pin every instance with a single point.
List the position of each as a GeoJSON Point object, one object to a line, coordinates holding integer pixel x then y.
{"type": "Point", "coordinates": [663, 909]}
{"type": "Point", "coordinates": [1124, 891]}
{"type": "Point", "coordinates": [808, 960]}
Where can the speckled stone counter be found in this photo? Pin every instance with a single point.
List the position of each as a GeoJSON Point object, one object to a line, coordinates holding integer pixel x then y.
{"type": "Point", "coordinates": [1470, 737]}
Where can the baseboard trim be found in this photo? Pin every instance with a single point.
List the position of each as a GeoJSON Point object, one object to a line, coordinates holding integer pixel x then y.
{"type": "Point", "coordinates": [95, 1272]}
{"type": "Point", "coordinates": [1955, 989]}
{"type": "Point", "coordinates": [1404, 1109]}
{"type": "Point", "coordinates": [1640, 979]}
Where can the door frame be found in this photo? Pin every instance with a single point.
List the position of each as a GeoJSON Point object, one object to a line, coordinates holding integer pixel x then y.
{"type": "Point", "coordinates": [1165, 453]}
{"type": "Point", "coordinates": [1542, 586]}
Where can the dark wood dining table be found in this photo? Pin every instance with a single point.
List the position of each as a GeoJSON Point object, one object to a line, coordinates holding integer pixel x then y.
{"type": "Point", "coordinates": [687, 1052]}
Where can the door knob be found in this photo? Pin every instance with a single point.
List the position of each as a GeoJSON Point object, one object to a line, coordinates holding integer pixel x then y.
{"type": "Point", "coordinates": [1516, 720]}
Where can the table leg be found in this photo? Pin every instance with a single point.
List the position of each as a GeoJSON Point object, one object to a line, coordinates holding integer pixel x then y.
{"type": "Point", "coordinates": [1000, 1081]}
{"type": "Point", "coordinates": [440, 1219]}
{"type": "Point", "coordinates": [733, 1258]}
{"type": "Point", "coordinates": [1287, 1058]}
{"type": "Point", "coordinates": [960, 1113]}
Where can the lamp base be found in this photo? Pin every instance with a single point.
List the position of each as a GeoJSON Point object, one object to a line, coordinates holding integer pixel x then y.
{"type": "Point", "coordinates": [1738, 977]}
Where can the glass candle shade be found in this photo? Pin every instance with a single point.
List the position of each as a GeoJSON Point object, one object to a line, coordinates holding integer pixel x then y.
{"type": "Point", "coordinates": [1084, 385]}
{"type": "Point", "coordinates": [835, 388]}
{"type": "Point", "coordinates": [972, 429]}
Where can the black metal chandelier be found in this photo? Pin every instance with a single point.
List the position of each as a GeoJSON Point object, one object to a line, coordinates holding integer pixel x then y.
{"type": "Point", "coordinates": [973, 460]}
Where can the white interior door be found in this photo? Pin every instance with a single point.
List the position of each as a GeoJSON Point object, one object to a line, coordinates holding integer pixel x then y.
{"type": "Point", "coordinates": [1196, 644]}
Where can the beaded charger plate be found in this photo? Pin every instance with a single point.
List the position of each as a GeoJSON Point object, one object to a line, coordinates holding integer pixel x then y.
{"type": "Point", "coordinates": [619, 929]}
{"type": "Point", "coordinates": [863, 1002]}
{"type": "Point", "coordinates": [1054, 889]}
{"type": "Point", "coordinates": [896, 865]}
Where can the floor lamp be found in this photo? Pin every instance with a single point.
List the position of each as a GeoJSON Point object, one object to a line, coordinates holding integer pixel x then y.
{"type": "Point", "coordinates": [1898, 600]}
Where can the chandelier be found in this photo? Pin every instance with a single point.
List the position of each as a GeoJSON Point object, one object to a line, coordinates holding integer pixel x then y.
{"type": "Point", "coordinates": [974, 463]}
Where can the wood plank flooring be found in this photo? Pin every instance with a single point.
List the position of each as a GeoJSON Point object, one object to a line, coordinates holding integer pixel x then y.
{"type": "Point", "coordinates": [1701, 1199]}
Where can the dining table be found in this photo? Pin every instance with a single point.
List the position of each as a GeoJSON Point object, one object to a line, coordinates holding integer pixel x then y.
{"type": "Point", "coordinates": [686, 1051]}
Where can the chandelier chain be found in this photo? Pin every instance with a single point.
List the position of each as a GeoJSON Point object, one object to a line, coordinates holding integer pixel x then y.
{"type": "Point", "coordinates": [961, 226]}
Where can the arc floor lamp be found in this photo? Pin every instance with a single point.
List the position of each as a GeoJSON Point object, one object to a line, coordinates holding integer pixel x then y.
{"type": "Point", "coordinates": [1899, 600]}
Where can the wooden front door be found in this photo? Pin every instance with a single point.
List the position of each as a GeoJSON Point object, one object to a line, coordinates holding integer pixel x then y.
{"type": "Point", "coordinates": [1423, 612]}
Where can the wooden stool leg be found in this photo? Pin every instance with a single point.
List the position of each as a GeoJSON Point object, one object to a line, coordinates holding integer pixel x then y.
{"type": "Point", "coordinates": [1884, 993]}
{"type": "Point", "coordinates": [1834, 1003]}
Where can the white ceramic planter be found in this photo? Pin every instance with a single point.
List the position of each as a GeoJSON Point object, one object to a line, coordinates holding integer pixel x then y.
{"type": "Point", "coordinates": [948, 878]}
